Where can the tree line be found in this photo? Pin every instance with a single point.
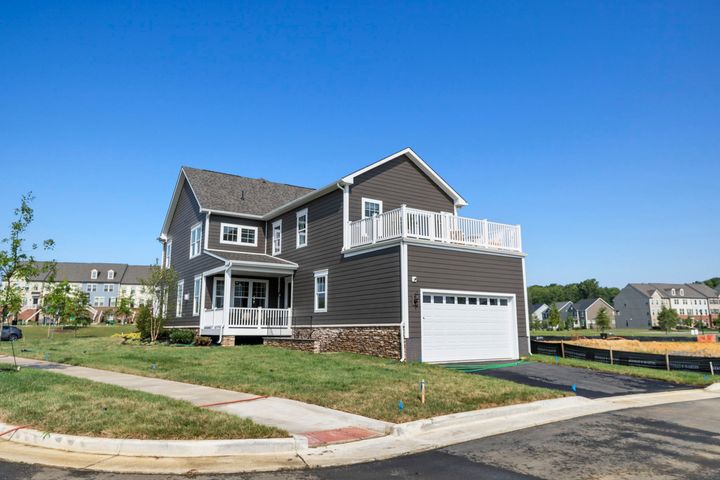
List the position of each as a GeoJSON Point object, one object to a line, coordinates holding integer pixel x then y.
{"type": "Point", "coordinates": [573, 292]}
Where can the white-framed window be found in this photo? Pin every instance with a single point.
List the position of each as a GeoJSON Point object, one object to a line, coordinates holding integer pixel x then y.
{"type": "Point", "coordinates": [93, 274]}
{"type": "Point", "coordinates": [108, 287]}
{"type": "Point", "coordinates": [112, 301]}
{"type": "Point", "coordinates": [672, 292]}
{"type": "Point", "coordinates": [277, 237]}
{"type": "Point", "coordinates": [371, 207]}
{"type": "Point", "coordinates": [302, 228]}
{"type": "Point", "coordinates": [196, 240]}
{"type": "Point", "coordinates": [321, 290]}
{"type": "Point", "coordinates": [682, 292]}
{"type": "Point", "coordinates": [249, 293]}
{"type": "Point", "coordinates": [99, 302]}
{"type": "Point", "coordinates": [168, 253]}
{"type": "Point", "coordinates": [91, 287]}
{"type": "Point", "coordinates": [218, 292]}
{"type": "Point", "coordinates": [179, 298]}
{"type": "Point", "coordinates": [238, 234]}
{"type": "Point", "coordinates": [111, 274]}
{"type": "Point", "coordinates": [197, 287]}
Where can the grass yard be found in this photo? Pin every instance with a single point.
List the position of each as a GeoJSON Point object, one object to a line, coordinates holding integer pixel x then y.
{"type": "Point", "coordinates": [673, 348]}
{"type": "Point", "coordinates": [52, 402]}
{"type": "Point", "coordinates": [359, 384]}
{"type": "Point", "coordinates": [621, 332]}
{"type": "Point", "coordinates": [686, 378]}
{"type": "Point", "coordinates": [34, 332]}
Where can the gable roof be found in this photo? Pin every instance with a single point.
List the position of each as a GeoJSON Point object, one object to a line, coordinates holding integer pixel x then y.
{"type": "Point", "coordinates": [135, 273]}
{"type": "Point", "coordinates": [704, 290]}
{"type": "Point", "coordinates": [223, 192]}
{"type": "Point", "coordinates": [258, 198]}
{"type": "Point", "coordinates": [537, 306]}
{"type": "Point", "coordinates": [586, 303]}
{"type": "Point", "coordinates": [563, 305]}
{"type": "Point", "coordinates": [81, 272]}
{"type": "Point", "coordinates": [665, 290]}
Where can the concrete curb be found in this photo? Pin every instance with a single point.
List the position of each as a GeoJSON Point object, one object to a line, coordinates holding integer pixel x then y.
{"type": "Point", "coordinates": [465, 418]}
{"type": "Point", "coordinates": [154, 448]}
{"type": "Point", "coordinates": [715, 388]}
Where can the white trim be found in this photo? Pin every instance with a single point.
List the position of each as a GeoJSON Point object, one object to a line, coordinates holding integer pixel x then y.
{"type": "Point", "coordinates": [206, 231]}
{"type": "Point", "coordinates": [239, 234]}
{"type": "Point", "coordinates": [251, 282]}
{"type": "Point", "coordinates": [370, 200]}
{"type": "Point", "coordinates": [199, 240]}
{"type": "Point", "coordinates": [404, 290]}
{"type": "Point", "coordinates": [109, 276]}
{"type": "Point", "coordinates": [393, 242]}
{"type": "Point", "coordinates": [514, 333]}
{"type": "Point", "coordinates": [346, 214]}
{"type": "Point", "coordinates": [179, 293]}
{"type": "Point", "coordinates": [275, 224]}
{"type": "Point", "coordinates": [300, 201]}
{"type": "Point", "coordinates": [214, 271]}
{"type": "Point", "coordinates": [458, 200]}
{"type": "Point", "coordinates": [287, 302]}
{"type": "Point", "coordinates": [527, 308]}
{"type": "Point", "coordinates": [93, 274]}
{"type": "Point", "coordinates": [168, 250]}
{"type": "Point", "coordinates": [320, 274]}
{"type": "Point", "coordinates": [247, 216]}
{"type": "Point", "coordinates": [351, 325]}
{"type": "Point", "coordinates": [197, 296]}
{"type": "Point", "coordinates": [213, 297]}
{"type": "Point", "coordinates": [298, 214]}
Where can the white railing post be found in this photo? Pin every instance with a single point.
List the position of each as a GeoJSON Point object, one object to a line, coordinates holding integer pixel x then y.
{"type": "Point", "coordinates": [374, 228]}
{"type": "Point", "coordinates": [518, 238]}
{"type": "Point", "coordinates": [486, 234]}
{"type": "Point", "coordinates": [403, 220]}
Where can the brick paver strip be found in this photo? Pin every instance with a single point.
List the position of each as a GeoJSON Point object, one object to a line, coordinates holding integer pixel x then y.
{"type": "Point", "coordinates": [339, 435]}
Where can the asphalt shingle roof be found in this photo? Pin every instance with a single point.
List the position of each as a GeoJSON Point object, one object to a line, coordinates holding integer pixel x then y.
{"type": "Point", "coordinates": [135, 273]}
{"type": "Point", "coordinates": [665, 289]}
{"type": "Point", "coordinates": [233, 193]}
{"type": "Point", "coordinates": [584, 303]}
{"type": "Point", "coordinates": [81, 272]}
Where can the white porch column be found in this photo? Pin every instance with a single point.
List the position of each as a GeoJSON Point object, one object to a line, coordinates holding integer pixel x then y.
{"type": "Point", "coordinates": [226, 297]}
{"type": "Point", "coordinates": [202, 300]}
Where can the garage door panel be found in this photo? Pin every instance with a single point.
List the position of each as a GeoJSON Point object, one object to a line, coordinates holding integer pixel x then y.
{"type": "Point", "coordinates": [463, 331]}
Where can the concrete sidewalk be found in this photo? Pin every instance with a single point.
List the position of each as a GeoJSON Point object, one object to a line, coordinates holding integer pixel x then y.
{"type": "Point", "coordinates": [312, 421]}
{"type": "Point", "coordinates": [415, 437]}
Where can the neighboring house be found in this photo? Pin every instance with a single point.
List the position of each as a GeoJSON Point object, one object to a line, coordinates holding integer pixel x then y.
{"type": "Point", "coordinates": [539, 311]}
{"type": "Point", "coordinates": [587, 309]}
{"type": "Point", "coordinates": [566, 310]}
{"type": "Point", "coordinates": [639, 304]}
{"type": "Point", "coordinates": [102, 282]}
{"type": "Point", "coordinates": [376, 262]}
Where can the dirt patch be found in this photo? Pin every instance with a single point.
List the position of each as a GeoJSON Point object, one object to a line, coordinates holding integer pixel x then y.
{"type": "Point", "coordinates": [673, 348]}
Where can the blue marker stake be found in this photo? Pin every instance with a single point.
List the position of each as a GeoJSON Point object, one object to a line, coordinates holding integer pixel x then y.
{"type": "Point", "coordinates": [574, 388]}
{"type": "Point", "coordinates": [153, 366]}
{"type": "Point", "coordinates": [401, 405]}
{"type": "Point", "coordinates": [557, 360]}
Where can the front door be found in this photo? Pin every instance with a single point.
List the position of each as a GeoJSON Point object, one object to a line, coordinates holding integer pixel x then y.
{"type": "Point", "coordinates": [249, 293]}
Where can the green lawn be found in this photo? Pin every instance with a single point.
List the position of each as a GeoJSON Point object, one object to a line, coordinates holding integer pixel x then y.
{"type": "Point", "coordinates": [33, 332]}
{"type": "Point", "coordinates": [620, 332]}
{"type": "Point", "coordinates": [56, 403]}
{"type": "Point", "coordinates": [687, 378]}
{"type": "Point", "coordinates": [359, 384]}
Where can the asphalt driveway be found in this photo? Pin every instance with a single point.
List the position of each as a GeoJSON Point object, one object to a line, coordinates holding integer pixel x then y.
{"type": "Point", "coordinates": [589, 383]}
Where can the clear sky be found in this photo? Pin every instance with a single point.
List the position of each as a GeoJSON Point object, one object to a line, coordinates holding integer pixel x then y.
{"type": "Point", "coordinates": [595, 125]}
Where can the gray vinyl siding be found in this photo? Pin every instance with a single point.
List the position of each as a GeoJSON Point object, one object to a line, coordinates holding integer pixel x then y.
{"type": "Point", "coordinates": [187, 214]}
{"type": "Point", "coordinates": [363, 289]}
{"type": "Point", "coordinates": [444, 269]}
{"type": "Point", "coordinates": [398, 182]}
{"type": "Point", "coordinates": [633, 309]}
{"type": "Point", "coordinates": [215, 232]}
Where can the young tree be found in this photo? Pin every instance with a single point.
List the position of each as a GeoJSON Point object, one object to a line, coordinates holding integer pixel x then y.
{"type": "Point", "coordinates": [123, 308]}
{"type": "Point", "coordinates": [602, 320]}
{"type": "Point", "coordinates": [159, 284]}
{"type": "Point", "coordinates": [688, 321]}
{"type": "Point", "coordinates": [16, 260]}
{"type": "Point", "coordinates": [570, 321]}
{"type": "Point", "coordinates": [66, 305]}
{"type": "Point", "coordinates": [700, 325]}
{"type": "Point", "coordinates": [668, 319]}
{"type": "Point", "coordinates": [554, 318]}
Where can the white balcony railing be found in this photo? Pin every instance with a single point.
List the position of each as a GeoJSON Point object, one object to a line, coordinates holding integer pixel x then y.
{"type": "Point", "coordinates": [246, 321]}
{"type": "Point", "coordinates": [436, 227]}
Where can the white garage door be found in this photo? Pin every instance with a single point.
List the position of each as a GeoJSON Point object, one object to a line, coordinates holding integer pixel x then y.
{"type": "Point", "coordinates": [459, 326]}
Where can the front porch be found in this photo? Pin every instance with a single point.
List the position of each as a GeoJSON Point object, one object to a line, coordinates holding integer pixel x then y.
{"type": "Point", "coordinates": [238, 302]}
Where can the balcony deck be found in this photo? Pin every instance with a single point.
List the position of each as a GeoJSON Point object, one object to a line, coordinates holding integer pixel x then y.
{"type": "Point", "coordinates": [442, 228]}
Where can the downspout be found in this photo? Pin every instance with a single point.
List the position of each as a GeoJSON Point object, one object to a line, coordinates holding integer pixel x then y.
{"type": "Point", "coordinates": [402, 343]}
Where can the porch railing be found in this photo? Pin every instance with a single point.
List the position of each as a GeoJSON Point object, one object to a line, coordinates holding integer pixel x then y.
{"type": "Point", "coordinates": [259, 318]}
{"type": "Point", "coordinates": [435, 227]}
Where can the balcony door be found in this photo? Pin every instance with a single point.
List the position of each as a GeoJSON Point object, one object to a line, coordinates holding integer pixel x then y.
{"type": "Point", "coordinates": [249, 293]}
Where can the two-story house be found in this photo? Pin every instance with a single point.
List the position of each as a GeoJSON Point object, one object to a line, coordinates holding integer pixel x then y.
{"type": "Point", "coordinates": [375, 262]}
{"type": "Point", "coordinates": [639, 304]}
{"type": "Point", "coordinates": [587, 309]}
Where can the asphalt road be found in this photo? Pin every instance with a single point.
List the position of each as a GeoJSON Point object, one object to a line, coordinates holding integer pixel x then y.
{"type": "Point", "coordinates": [589, 383]}
{"type": "Point", "coordinates": [675, 441]}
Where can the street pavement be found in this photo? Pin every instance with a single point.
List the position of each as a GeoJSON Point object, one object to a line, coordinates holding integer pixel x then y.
{"type": "Point", "coordinates": [671, 441]}
{"type": "Point", "coordinates": [588, 383]}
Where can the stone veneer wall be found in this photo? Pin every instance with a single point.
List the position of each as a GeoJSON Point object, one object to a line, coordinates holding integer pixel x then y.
{"type": "Point", "coordinates": [304, 345]}
{"type": "Point", "coordinates": [378, 341]}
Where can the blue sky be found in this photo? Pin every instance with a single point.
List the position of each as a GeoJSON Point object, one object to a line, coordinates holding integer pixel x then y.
{"type": "Point", "coordinates": [595, 125]}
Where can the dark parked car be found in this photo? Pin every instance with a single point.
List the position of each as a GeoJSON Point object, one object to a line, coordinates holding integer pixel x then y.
{"type": "Point", "coordinates": [10, 332]}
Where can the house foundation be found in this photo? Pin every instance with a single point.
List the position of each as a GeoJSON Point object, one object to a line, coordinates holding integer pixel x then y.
{"type": "Point", "coordinates": [377, 341]}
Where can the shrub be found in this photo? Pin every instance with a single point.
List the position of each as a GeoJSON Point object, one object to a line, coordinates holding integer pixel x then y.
{"type": "Point", "coordinates": [184, 337]}
{"type": "Point", "coordinates": [142, 322]}
{"type": "Point", "coordinates": [203, 341]}
{"type": "Point", "coordinates": [128, 337]}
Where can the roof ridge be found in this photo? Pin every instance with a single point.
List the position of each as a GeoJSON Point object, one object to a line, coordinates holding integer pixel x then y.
{"type": "Point", "coordinates": [249, 178]}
